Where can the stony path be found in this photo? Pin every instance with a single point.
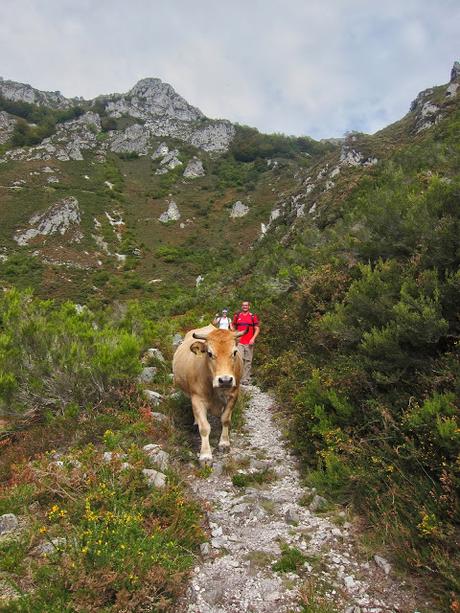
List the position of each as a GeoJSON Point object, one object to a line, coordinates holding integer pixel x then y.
{"type": "Point", "coordinates": [250, 525]}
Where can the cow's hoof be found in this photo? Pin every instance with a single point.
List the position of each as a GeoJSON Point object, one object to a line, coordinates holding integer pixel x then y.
{"type": "Point", "coordinates": [224, 447]}
{"type": "Point", "coordinates": [205, 460]}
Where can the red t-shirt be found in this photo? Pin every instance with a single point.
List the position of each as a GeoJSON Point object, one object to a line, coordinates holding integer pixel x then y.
{"type": "Point", "coordinates": [242, 320]}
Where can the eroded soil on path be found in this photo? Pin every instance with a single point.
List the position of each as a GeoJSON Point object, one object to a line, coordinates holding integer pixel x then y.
{"type": "Point", "coordinates": [251, 526]}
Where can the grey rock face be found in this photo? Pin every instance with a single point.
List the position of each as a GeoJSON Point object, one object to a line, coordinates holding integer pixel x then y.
{"type": "Point", "coordinates": [455, 73]}
{"type": "Point", "coordinates": [147, 375]}
{"type": "Point", "coordinates": [194, 169]}
{"type": "Point", "coordinates": [152, 97]}
{"type": "Point", "coordinates": [7, 123]}
{"type": "Point", "coordinates": [172, 214]}
{"type": "Point", "coordinates": [351, 157]}
{"type": "Point", "coordinates": [428, 116]}
{"type": "Point", "coordinates": [216, 136]}
{"type": "Point", "coordinates": [8, 523]}
{"type": "Point", "coordinates": [162, 111]}
{"type": "Point", "coordinates": [160, 151]}
{"type": "Point", "coordinates": [177, 340]}
{"type": "Point", "coordinates": [133, 140]}
{"type": "Point", "coordinates": [239, 209]}
{"type": "Point", "coordinates": [154, 478]}
{"type": "Point", "coordinates": [59, 218]}
{"type": "Point", "coordinates": [22, 92]}
{"type": "Point", "coordinates": [452, 89]}
{"type": "Point", "coordinates": [169, 162]}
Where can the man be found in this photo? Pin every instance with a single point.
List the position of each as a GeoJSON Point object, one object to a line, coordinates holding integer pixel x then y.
{"type": "Point", "coordinates": [246, 319]}
{"type": "Point", "coordinates": [223, 322]}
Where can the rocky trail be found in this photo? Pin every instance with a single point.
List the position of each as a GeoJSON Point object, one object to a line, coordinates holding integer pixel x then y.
{"type": "Point", "coordinates": [251, 526]}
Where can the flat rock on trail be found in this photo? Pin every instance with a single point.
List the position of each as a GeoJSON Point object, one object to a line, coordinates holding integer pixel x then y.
{"type": "Point", "coordinates": [251, 525]}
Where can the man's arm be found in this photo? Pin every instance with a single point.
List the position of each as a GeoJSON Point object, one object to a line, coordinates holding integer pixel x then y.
{"type": "Point", "coordinates": [256, 333]}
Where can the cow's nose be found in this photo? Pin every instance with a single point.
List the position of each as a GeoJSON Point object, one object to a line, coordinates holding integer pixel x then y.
{"type": "Point", "coordinates": [226, 381]}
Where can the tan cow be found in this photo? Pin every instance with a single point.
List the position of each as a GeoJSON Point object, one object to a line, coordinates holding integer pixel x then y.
{"type": "Point", "coordinates": [207, 367]}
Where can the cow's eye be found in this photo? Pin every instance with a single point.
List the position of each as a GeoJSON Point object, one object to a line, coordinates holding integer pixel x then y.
{"type": "Point", "coordinates": [210, 354]}
{"type": "Point", "coordinates": [235, 352]}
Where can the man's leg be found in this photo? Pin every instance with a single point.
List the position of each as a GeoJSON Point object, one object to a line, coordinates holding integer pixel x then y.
{"type": "Point", "coordinates": [246, 353]}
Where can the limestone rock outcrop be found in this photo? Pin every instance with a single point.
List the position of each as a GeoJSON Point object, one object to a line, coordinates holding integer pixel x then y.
{"type": "Point", "coordinates": [239, 209]}
{"type": "Point", "coordinates": [194, 169]}
{"type": "Point", "coordinates": [172, 213]}
{"type": "Point", "coordinates": [60, 218]}
{"type": "Point", "coordinates": [7, 123]}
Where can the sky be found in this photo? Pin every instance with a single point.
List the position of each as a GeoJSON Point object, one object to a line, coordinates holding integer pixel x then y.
{"type": "Point", "coordinates": [302, 67]}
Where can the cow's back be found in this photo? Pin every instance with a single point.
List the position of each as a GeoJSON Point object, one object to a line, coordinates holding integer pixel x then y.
{"type": "Point", "coordinates": [189, 369]}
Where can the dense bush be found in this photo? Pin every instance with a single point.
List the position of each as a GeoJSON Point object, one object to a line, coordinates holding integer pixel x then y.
{"type": "Point", "coordinates": [53, 356]}
{"type": "Point", "coordinates": [250, 144]}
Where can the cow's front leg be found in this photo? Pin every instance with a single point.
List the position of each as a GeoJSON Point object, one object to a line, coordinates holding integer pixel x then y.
{"type": "Point", "coordinates": [226, 418]}
{"type": "Point", "coordinates": [200, 414]}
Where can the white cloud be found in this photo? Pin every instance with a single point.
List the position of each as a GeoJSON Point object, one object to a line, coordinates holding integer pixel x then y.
{"type": "Point", "coordinates": [305, 67]}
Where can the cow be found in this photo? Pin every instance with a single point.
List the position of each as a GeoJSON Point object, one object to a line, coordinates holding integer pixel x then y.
{"type": "Point", "coordinates": [207, 366]}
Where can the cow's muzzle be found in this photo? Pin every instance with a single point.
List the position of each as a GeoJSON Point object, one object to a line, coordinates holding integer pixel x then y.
{"type": "Point", "coordinates": [225, 381]}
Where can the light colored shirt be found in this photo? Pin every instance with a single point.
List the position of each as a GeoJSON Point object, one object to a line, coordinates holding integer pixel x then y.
{"type": "Point", "coordinates": [223, 323]}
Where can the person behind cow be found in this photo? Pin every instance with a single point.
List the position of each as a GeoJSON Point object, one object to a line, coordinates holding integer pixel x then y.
{"type": "Point", "coordinates": [223, 321]}
{"type": "Point", "coordinates": [241, 320]}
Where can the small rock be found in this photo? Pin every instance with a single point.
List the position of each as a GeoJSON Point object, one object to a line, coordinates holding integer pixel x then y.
{"type": "Point", "coordinates": [177, 340]}
{"type": "Point", "coordinates": [205, 549]}
{"type": "Point", "coordinates": [383, 564]}
{"type": "Point", "coordinates": [125, 466]}
{"type": "Point", "coordinates": [34, 507]}
{"type": "Point", "coordinates": [46, 547]}
{"type": "Point", "coordinates": [349, 582]}
{"type": "Point", "coordinates": [147, 375]}
{"type": "Point", "coordinates": [160, 417]}
{"type": "Point", "coordinates": [153, 398]}
{"type": "Point", "coordinates": [258, 464]}
{"type": "Point", "coordinates": [154, 478]}
{"type": "Point", "coordinates": [8, 523]}
{"type": "Point", "coordinates": [153, 352]}
{"type": "Point", "coordinates": [157, 455]}
{"type": "Point", "coordinates": [239, 209]}
{"type": "Point", "coordinates": [291, 516]}
{"type": "Point", "coordinates": [107, 456]}
{"type": "Point", "coordinates": [318, 503]}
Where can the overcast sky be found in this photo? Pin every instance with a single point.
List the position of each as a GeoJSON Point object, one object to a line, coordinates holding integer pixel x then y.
{"type": "Point", "coordinates": [316, 67]}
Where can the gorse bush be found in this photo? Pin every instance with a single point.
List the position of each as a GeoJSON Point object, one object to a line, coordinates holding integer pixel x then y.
{"type": "Point", "coordinates": [53, 356]}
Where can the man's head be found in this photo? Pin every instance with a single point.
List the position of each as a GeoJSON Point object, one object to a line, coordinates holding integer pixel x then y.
{"type": "Point", "coordinates": [245, 306]}
{"type": "Point", "coordinates": [224, 311]}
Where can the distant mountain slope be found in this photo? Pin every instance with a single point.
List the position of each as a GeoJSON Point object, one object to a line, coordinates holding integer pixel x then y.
{"type": "Point", "coordinates": [164, 194]}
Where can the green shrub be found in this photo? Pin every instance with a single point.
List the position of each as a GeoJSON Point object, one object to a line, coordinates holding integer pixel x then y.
{"type": "Point", "coordinates": [52, 356]}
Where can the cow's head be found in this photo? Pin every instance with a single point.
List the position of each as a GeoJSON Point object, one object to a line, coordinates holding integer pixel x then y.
{"type": "Point", "coordinates": [220, 350]}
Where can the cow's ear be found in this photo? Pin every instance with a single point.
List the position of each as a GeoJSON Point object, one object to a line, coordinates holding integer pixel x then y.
{"type": "Point", "coordinates": [198, 347]}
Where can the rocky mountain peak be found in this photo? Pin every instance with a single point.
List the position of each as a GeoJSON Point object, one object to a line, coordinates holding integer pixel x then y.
{"type": "Point", "coordinates": [152, 97]}
{"type": "Point", "coordinates": [23, 92]}
{"type": "Point", "coordinates": [455, 72]}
